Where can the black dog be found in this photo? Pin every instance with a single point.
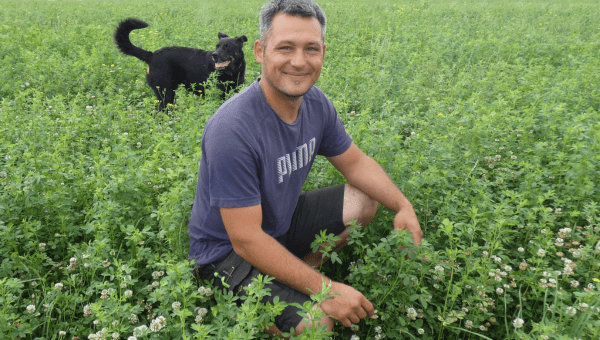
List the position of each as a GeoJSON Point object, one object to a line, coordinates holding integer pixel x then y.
{"type": "Point", "coordinates": [171, 66]}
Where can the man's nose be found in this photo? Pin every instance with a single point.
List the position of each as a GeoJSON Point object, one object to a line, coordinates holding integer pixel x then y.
{"type": "Point", "coordinates": [298, 58]}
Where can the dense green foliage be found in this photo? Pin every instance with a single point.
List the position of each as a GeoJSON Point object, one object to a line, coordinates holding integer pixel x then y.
{"type": "Point", "coordinates": [485, 113]}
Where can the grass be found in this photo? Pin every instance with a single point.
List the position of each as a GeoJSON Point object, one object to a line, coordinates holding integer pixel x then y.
{"type": "Point", "coordinates": [486, 114]}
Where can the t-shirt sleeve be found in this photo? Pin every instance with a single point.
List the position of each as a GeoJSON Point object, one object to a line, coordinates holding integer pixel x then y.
{"type": "Point", "coordinates": [232, 166]}
{"type": "Point", "coordinates": [336, 139]}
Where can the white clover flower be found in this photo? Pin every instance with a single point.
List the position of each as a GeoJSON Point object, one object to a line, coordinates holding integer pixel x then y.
{"type": "Point", "coordinates": [128, 293]}
{"type": "Point", "coordinates": [523, 265]}
{"type": "Point", "coordinates": [559, 242]}
{"type": "Point", "coordinates": [155, 284]}
{"type": "Point", "coordinates": [571, 311]}
{"type": "Point", "coordinates": [140, 331]}
{"type": "Point", "coordinates": [421, 331]}
{"type": "Point", "coordinates": [132, 338]}
{"type": "Point", "coordinates": [568, 271]}
{"type": "Point", "coordinates": [469, 324]}
{"type": "Point", "coordinates": [62, 333]}
{"type": "Point", "coordinates": [157, 324]}
{"type": "Point", "coordinates": [42, 246]}
{"type": "Point", "coordinates": [204, 291]}
{"type": "Point", "coordinates": [354, 328]}
{"type": "Point", "coordinates": [199, 319]}
{"type": "Point", "coordinates": [87, 310]}
{"type": "Point", "coordinates": [521, 249]}
{"type": "Point", "coordinates": [411, 313]}
{"type": "Point", "coordinates": [518, 323]}
{"type": "Point", "coordinates": [499, 291]}
{"type": "Point", "coordinates": [202, 311]}
{"type": "Point", "coordinates": [133, 319]}
{"type": "Point", "coordinates": [115, 335]}
{"type": "Point", "coordinates": [58, 286]}
{"type": "Point", "coordinates": [354, 337]}
{"type": "Point", "coordinates": [30, 309]}
{"type": "Point", "coordinates": [541, 252]}
{"type": "Point", "coordinates": [574, 284]}
{"type": "Point", "coordinates": [439, 269]}
{"type": "Point", "coordinates": [564, 232]}
{"type": "Point", "coordinates": [176, 305]}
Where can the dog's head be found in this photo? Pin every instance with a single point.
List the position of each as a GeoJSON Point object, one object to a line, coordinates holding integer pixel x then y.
{"type": "Point", "coordinates": [228, 55]}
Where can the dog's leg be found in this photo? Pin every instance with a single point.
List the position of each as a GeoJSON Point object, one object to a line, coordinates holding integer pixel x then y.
{"type": "Point", "coordinates": [169, 97]}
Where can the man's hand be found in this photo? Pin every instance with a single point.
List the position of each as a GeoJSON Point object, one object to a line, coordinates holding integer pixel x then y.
{"type": "Point", "coordinates": [406, 219]}
{"type": "Point", "coordinates": [349, 307]}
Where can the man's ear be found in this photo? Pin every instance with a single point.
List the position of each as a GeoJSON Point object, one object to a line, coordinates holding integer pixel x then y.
{"type": "Point", "coordinates": [258, 51]}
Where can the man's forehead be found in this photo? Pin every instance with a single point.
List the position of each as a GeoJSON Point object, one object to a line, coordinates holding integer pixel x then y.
{"type": "Point", "coordinates": [285, 24]}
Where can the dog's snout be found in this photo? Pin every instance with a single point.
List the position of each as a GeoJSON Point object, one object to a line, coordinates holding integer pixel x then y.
{"type": "Point", "coordinates": [215, 55]}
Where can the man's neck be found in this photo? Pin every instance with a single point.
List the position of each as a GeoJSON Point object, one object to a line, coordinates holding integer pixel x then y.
{"type": "Point", "coordinates": [284, 106]}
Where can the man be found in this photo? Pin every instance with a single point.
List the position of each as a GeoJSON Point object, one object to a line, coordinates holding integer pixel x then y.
{"type": "Point", "coordinates": [258, 149]}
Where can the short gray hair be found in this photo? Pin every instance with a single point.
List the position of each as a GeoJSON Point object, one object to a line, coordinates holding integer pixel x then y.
{"type": "Point", "coordinates": [303, 8]}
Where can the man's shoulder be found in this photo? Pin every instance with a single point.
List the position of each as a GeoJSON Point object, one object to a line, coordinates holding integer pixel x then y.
{"type": "Point", "coordinates": [237, 102]}
{"type": "Point", "coordinates": [315, 93]}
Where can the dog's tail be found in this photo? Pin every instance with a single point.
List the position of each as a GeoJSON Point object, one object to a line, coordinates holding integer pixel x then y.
{"type": "Point", "coordinates": [124, 44]}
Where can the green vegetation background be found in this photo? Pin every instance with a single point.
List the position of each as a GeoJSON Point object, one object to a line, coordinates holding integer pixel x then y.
{"type": "Point", "coordinates": [485, 113]}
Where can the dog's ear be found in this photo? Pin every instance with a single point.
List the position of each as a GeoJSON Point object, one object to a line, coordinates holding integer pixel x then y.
{"type": "Point", "coordinates": [222, 35]}
{"type": "Point", "coordinates": [242, 38]}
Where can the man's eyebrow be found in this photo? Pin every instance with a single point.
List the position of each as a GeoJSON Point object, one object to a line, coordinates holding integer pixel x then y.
{"type": "Point", "coordinates": [291, 42]}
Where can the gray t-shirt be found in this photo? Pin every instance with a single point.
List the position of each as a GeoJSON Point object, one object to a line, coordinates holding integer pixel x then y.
{"type": "Point", "coordinates": [250, 156]}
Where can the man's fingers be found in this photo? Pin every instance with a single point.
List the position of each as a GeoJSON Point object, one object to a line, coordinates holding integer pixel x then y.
{"type": "Point", "coordinates": [368, 307]}
{"type": "Point", "coordinates": [361, 313]}
{"type": "Point", "coordinates": [346, 322]}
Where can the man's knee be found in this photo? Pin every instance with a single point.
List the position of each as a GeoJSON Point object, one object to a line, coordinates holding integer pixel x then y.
{"type": "Point", "coordinates": [358, 206]}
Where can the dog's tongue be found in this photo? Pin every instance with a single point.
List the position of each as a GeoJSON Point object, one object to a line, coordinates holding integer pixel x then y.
{"type": "Point", "coordinates": [223, 64]}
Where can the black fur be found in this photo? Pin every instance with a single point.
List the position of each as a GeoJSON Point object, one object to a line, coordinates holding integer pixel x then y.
{"type": "Point", "coordinates": [172, 66]}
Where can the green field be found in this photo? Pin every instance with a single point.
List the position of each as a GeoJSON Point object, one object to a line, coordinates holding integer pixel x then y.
{"type": "Point", "coordinates": [485, 113]}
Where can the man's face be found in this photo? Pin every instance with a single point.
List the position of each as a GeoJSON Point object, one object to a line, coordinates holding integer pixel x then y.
{"type": "Point", "coordinates": [293, 56]}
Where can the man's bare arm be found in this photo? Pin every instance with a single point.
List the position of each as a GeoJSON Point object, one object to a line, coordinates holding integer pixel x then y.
{"type": "Point", "coordinates": [244, 228]}
{"type": "Point", "coordinates": [366, 174]}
